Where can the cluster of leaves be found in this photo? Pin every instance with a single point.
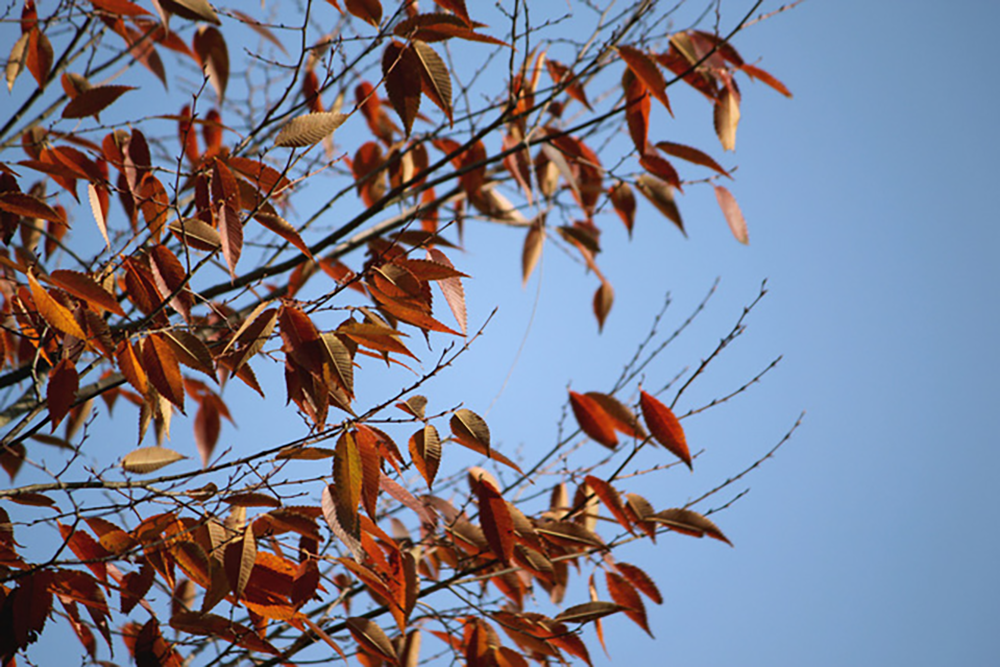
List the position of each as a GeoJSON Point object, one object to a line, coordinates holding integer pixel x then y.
{"type": "Point", "coordinates": [162, 310]}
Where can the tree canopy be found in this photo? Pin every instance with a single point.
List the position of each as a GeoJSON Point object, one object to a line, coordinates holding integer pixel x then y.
{"type": "Point", "coordinates": [197, 199]}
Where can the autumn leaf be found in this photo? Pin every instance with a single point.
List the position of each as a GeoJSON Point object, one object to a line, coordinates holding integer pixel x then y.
{"type": "Point", "coordinates": [690, 523]}
{"type": "Point", "coordinates": [734, 217]}
{"type": "Point", "coordinates": [210, 48]}
{"type": "Point", "coordinates": [435, 79]}
{"type": "Point", "coordinates": [664, 426]}
{"type": "Point", "coordinates": [53, 312]}
{"type": "Point", "coordinates": [625, 595]}
{"type": "Point", "coordinates": [149, 459]}
{"type": "Point", "coordinates": [592, 419]}
{"type": "Point", "coordinates": [495, 519]}
{"type": "Point", "coordinates": [727, 117]}
{"type": "Point", "coordinates": [61, 391]}
{"type": "Point", "coordinates": [661, 195]}
{"type": "Point", "coordinates": [425, 450]}
{"type": "Point", "coordinates": [309, 129]}
{"type": "Point", "coordinates": [603, 298]}
{"type": "Point", "coordinates": [534, 241]}
{"type": "Point", "coordinates": [93, 101]}
{"type": "Point", "coordinates": [587, 612]}
{"type": "Point", "coordinates": [403, 72]}
{"type": "Point", "coordinates": [646, 70]}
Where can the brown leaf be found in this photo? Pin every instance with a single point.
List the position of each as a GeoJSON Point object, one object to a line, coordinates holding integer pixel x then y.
{"type": "Point", "coordinates": [369, 11]}
{"type": "Point", "coordinates": [534, 241]}
{"type": "Point", "coordinates": [308, 129]}
{"type": "Point", "coordinates": [252, 499]}
{"type": "Point", "coordinates": [425, 450]}
{"type": "Point", "coordinates": [149, 459]}
{"type": "Point", "coordinates": [330, 512]}
{"type": "Point", "coordinates": [347, 482]}
{"type": "Point", "coordinates": [29, 206]}
{"type": "Point", "coordinates": [230, 236]}
{"type": "Point", "coordinates": [603, 298]}
{"type": "Point", "coordinates": [162, 369]}
{"type": "Point", "coordinates": [691, 155]}
{"type": "Point", "coordinates": [86, 288]}
{"type": "Point", "coordinates": [470, 430]}
{"type": "Point", "coordinates": [593, 420]}
{"type": "Point", "coordinates": [239, 560]}
{"type": "Point", "coordinates": [61, 391]}
{"type": "Point", "coordinates": [563, 76]}
{"type": "Point", "coordinates": [371, 638]}
{"type": "Point", "coordinates": [454, 293]}
{"type": "Point", "coordinates": [209, 47]}
{"type": "Point", "coordinates": [587, 612]}
{"type": "Point", "coordinates": [119, 7]}
{"type": "Point", "coordinates": [435, 79]}
{"type": "Point", "coordinates": [661, 195]}
{"type": "Point", "coordinates": [689, 522]}
{"type": "Point", "coordinates": [624, 203]}
{"type": "Point", "coordinates": [193, 233]}
{"type": "Point", "coordinates": [665, 427]}
{"type": "Point", "coordinates": [434, 27]}
{"type": "Point", "coordinates": [284, 229]}
{"type": "Point", "coordinates": [93, 101]}
{"type": "Point", "coordinates": [193, 10]}
{"type": "Point", "coordinates": [403, 72]}
{"type": "Point", "coordinates": [734, 217]}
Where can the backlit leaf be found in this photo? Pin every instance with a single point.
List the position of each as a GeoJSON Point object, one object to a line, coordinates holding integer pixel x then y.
{"type": "Point", "coordinates": [284, 229]}
{"type": "Point", "coordinates": [592, 419]}
{"type": "Point", "coordinates": [239, 560]}
{"type": "Point", "coordinates": [623, 202]}
{"type": "Point", "coordinates": [17, 60]}
{"type": "Point", "coordinates": [162, 369]}
{"type": "Point", "coordinates": [609, 496]}
{"type": "Point", "coordinates": [622, 418]}
{"type": "Point", "coordinates": [495, 520]}
{"type": "Point", "coordinates": [727, 117]}
{"type": "Point", "coordinates": [534, 241]}
{"type": "Point", "coordinates": [757, 73]}
{"type": "Point", "coordinates": [425, 450]}
{"type": "Point", "coordinates": [454, 293]}
{"type": "Point", "coordinates": [435, 79]}
{"type": "Point", "coordinates": [371, 638]}
{"type": "Point", "coordinates": [39, 56]}
{"type": "Point", "coordinates": [734, 217]}
{"type": "Point", "coordinates": [603, 298]}
{"type": "Point", "coordinates": [369, 11]}
{"type": "Point", "coordinates": [646, 69]}
{"type": "Point", "coordinates": [661, 195]}
{"type": "Point", "coordinates": [53, 312]}
{"type": "Point", "coordinates": [210, 48]}
{"type": "Point", "coordinates": [29, 206]}
{"type": "Point", "coordinates": [691, 155]}
{"type": "Point", "coordinates": [347, 481]}
{"type": "Point", "coordinates": [665, 427]}
{"type": "Point", "coordinates": [624, 594]}
{"type": "Point", "coordinates": [403, 72]}
{"type": "Point", "coordinates": [641, 581]}
{"type": "Point", "coordinates": [309, 129]}
{"type": "Point", "coordinates": [470, 429]}
{"type": "Point", "coordinates": [230, 235]}
{"type": "Point", "coordinates": [86, 288]}
{"type": "Point", "coordinates": [149, 459]}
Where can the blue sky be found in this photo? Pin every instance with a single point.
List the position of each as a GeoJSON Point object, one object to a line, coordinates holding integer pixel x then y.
{"type": "Point", "coordinates": [870, 539]}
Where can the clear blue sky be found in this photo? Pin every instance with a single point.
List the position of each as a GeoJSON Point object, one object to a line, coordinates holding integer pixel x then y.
{"type": "Point", "coordinates": [870, 539]}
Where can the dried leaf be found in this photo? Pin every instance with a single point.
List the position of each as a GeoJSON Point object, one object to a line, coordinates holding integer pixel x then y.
{"type": "Point", "coordinates": [665, 427]}
{"type": "Point", "coordinates": [587, 612]}
{"type": "Point", "coordinates": [622, 418]}
{"type": "Point", "coordinates": [209, 47]}
{"type": "Point", "coordinates": [61, 391]}
{"type": "Point", "coordinates": [39, 56]}
{"type": "Point", "coordinates": [646, 70]}
{"type": "Point", "coordinates": [727, 117]}
{"type": "Point", "coordinates": [239, 560]}
{"type": "Point", "coordinates": [425, 450]}
{"type": "Point", "coordinates": [86, 288]}
{"type": "Point", "coordinates": [230, 236]}
{"type": "Point", "coordinates": [453, 291]}
{"type": "Point", "coordinates": [757, 73]}
{"type": "Point", "coordinates": [162, 369]}
{"type": "Point", "coordinates": [603, 298]}
{"type": "Point", "coordinates": [149, 459]}
{"type": "Point", "coordinates": [330, 513]}
{"type": "Point", "coordinates": [17, 60]}
{"type": "Point", "coordinates": [689, 522]}
{"type": "Point", "coordinates": [308, 129]}
{"type": "Point", "coordinates": [284, 229]}
{"type": "Point", "coordinates": [734, 217]}
{"type": "Point", "coordinates": [624, 594]}
{"type": "Point", "coordinates": [369, 11]}
{"type": "Point", "coordinates": [641, 581]}
{"type": "Point", "coordinates": [53, 312]}
{"type": "Point", "coordinates": [534, 241]}
{"type": "Point", "coordinates": [347, 482]}
{"type": "Point", "coordinates": [93, 101]}
{"type": "Point", "coordinates": [609, 496]}
{"type": "Point", "coordinates": [371, 638]}
{"type": "Point", "coordinates": [194, 10]}
{"type": "Point", "coordinates": [495, 520]}
{"type": "Point", "coordinates": [470, 430]}
{"type": "Point", "coordinates": [403, 72]}
{"type": "Point", "coordinates": [691, 155]}
{"type": "Point", "coordinates": [30, 206]}
{"type": "Point", "coordinates": [661, 195]}
{"type": "Point", "coordinates": [435, 78]}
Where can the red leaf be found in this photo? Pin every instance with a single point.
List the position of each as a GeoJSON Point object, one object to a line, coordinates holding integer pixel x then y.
{"type": "Point", "coordinates": [210, 48]}
{"type": "Point", "coordinates": [646, 69]}
{"type": "Point", "coordinates": [765, 77]}
{"type": "Point", "coordinates": [403, 73]}
{"type": "Point", "coordinates": [623, 201]}
{"type": "Point", "coordinates": [641, 581]}
{"type": "Point", "coordinates": [609, 496]}
{"type": "Point", "coordinates": [665, 427]}
{"type": "Point", "coordinates": [691, 155]}
{"type": "Point", "coordinates": [624, 594]}
{"type": "Point", "coordinates": [495, 519]}
{"type": "Point", "coordinates": [231, 235]}
{"type": "Point", "coordinates": [39, 56]}
{"type": "Point", "coordinates": [86, 288]}
{"type": "Point", "coordinates": [61, 392]}
{"type": "Point", "coordinates": [592, 419]}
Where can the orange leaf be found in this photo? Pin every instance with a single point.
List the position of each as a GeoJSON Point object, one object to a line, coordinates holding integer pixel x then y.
{"type": "Point", "coordinates": [603, 298]}
{"type": "Point", "coordinates": [231, 235]}
{"type": "Point", "coordinates": [609, 496]}
{"type": "Point", "coordinates": [689, 522]}
{"type": "Point", "coordinates": [592, 419]}
{"type": "Point", "coordinates": [162, 369]}
{"type": "Point", "coordinates": [691, 155]}
{"type": "Point", "coordinates": [665, 427]}
{"type": "Point", "coordinates": [425, 450]}
{"type": "Point", "coordinates": [534, 241]}
{"type": "Point", "coordinates": [646, 69]}
{"type": "Point", "coordinates": [452, 289]}
{"type": "Point", "coordinates": [641, 581]}
{"type": "Point", "coordinates": [239, 560]}
{"type": "Point", "coordinates": [53, 312]}
{"type": "Point", "coordinates": [347, 481]}
{"type": "Point", "coordinates": [727, 117]}
{"type": "Point", "coordinates": [210, 48]}
{"type": "Point", "coordinates": [39, 56]}
{"type": "Point", "coordinates": [661, 195]}
{"type": "Point", "coordinates": [284, 229]}
{"type": "Point", "coordinates": [624, 594]}
{"type": "Point", "coordinates": [765, 77]}
{"type": "Point", "coordinates": [29, 206]}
